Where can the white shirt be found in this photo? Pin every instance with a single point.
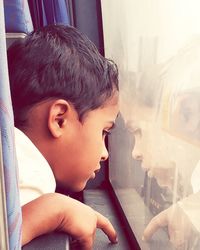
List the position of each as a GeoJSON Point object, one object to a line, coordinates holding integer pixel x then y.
{"type": "Point", "coordinates": [191, 204]}
{"type": "Point", "coordinates": [191, 207]}
{"type": "Point", "coordinates": [195, 179]}
{"type": "Point", "coordinates": [35, 174]}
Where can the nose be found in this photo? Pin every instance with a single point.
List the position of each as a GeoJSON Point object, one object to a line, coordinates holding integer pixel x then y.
{"type": "Point", "coordinates": [137, 153]}
{"type": "Point", "coordinates": [104, 155]}
{"type": "Point", "coordinates": [138, 149]}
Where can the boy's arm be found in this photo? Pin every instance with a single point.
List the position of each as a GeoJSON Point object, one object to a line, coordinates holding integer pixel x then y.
{"type": "Point", "coordinates": [181, 219]}
{"type": "Point", "coordinates": [55, 211]}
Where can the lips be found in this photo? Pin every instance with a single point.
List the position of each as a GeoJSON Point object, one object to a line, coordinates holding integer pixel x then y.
{"type": "Point", "coordinates": [96, 171]}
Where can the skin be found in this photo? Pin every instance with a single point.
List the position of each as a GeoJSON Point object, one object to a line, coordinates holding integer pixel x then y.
{"type": "Point", "coordinates": [58, 212]}
{"type": "Point", "coordinates": [153, 159]}
{"type": "Point", "coordinates": [61, 137]}
{"type": "Point", "coordinates": [178, 224]}
{"type": "Point", "coordinates": [74, 150]}
{"type": "Point", "coordinates": [152, 149]}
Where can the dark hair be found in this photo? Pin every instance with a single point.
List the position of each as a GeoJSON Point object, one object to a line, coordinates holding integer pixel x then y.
{"type": "Point", "coordinates": [58, 61]}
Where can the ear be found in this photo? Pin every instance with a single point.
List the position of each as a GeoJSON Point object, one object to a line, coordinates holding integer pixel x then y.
{"type": "Point", "coordinates": [57, 119]}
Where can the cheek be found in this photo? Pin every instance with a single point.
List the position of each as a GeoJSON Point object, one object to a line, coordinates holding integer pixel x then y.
{"type": "Point", "coordinates": [93, 143]}
{"type": "Point", "coordinates": [94, 151]}
{"type": "Point", "coordinates": [84, 155]}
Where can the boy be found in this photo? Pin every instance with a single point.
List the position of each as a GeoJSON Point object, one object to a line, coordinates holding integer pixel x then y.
{"type": "Point", "coordinates": [65, 101]}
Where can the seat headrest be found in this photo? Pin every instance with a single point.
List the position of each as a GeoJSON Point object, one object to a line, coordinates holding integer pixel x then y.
{"type": "Point", "coordinates": [17, 16]}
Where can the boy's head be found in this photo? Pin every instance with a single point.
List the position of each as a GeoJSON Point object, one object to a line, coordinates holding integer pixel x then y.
{"type": "Point", "coordinates": [59, 62]}
{"type": "Point", "coordinates": [165, 119]}
{"type": "Point", "coordinates": [64, 92]}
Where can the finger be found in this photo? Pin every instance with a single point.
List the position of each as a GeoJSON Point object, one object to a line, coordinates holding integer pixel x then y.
{"type": "Point", "coordinates": [82, 244]}
{"type": "Point", "coordinates": [74, 244]}
{"type": "Point", "coordinates": [105, 225]}
{"type": "Point", "coordinates": [158, 221]}
{"type": "Point", "coordinates": [86, 244]}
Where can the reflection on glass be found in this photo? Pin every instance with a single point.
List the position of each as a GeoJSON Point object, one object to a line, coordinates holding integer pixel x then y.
{"type": "Point", "coordinates": [155, 148]}
{"type": "Point", "coordinates": [185, 115]}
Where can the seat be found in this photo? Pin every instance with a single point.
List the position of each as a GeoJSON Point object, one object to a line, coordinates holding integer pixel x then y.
{"type": "Point", "coordinates": [13, 213]}
{"type": "Point", "coordinates": [18, 20]}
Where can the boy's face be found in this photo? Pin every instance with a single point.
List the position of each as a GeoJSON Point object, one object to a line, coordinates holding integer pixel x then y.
{"type": "Point", "coordinates": [82, 146]}
{"type": "Point", "coordinates": [162, 151]}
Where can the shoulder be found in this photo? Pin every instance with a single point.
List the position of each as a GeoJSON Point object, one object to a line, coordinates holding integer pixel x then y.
{"type": "Point", "coordinates": [35, 174]}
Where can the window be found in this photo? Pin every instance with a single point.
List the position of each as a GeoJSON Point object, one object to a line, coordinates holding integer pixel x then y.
{"type": "Point", "coordinates": [155, 147]}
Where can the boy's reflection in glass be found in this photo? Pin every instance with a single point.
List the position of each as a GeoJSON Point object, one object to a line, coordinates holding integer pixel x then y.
{"type": "Point", "coordinates": [185, 117]}
{"type": "Point", "coordinates": [166, 128]}
{"type": "Point", "coordinates": [164, 185]}
{"type": "Point", "coordinates": [152, 149]}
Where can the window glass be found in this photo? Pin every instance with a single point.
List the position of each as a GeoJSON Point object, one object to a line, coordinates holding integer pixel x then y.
{"type": "Point", "coordinates": [155, 147]}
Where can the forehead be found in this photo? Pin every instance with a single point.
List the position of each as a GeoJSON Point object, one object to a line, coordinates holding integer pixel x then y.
{"type": "Point", "coordinates": [107, 112]}
{"type": "Point", "coordinates": [140, 113]}
{"type": "Point", "coordinates": [112, 104]}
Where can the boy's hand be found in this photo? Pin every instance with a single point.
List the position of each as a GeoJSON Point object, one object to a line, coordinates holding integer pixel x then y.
{"type": "Point", "coordinates": [85, 233]}
{"type": "Point", "coordinates": [52, 212]}
{"type": "Point", "coordinates": [82, 224]}
{"type": "Point", "coordinates": [178, 224]}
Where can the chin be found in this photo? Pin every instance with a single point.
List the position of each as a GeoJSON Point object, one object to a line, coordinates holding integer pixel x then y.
{"type": "Point", "coordinates": [72, 187]}
{"type": "Point", "coordinates": [79, 187]}
{"type": "Point", "coordinates": [76, 187]}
